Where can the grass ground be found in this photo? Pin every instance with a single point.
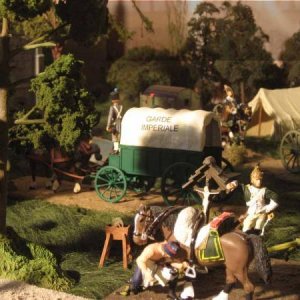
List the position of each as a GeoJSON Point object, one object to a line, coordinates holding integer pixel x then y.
{"type": "Point", "coordinates": [76, 237]}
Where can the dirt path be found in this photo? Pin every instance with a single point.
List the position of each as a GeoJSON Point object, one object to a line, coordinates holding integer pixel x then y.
{"type": "Point", "coordinates": [286, 274]}
{"type": "Point", "coordinates": [18, 290]}
{"type": "Point", "coordinates": [285, 285]}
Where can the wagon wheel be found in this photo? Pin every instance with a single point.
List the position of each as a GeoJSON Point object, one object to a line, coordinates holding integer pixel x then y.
{"type": "Point", "coordinates": [171, 185]}
{"type": "Point", "coordinates": [110, 184]}
{"type": "Point", "coordinates": [290, 151]}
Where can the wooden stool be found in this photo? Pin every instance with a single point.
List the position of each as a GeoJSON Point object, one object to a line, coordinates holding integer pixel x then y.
{"type": "Point", "coordinates": [116, 233]}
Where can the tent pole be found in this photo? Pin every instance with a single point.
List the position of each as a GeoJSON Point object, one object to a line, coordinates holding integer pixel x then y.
{"type": "Point", "coordinates": [259, 120]}
{"type": "Point", "coordinates": [242, 88]}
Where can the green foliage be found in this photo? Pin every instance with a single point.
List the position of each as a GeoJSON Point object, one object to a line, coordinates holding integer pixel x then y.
{"type": "Point", "coordinates": [291, 48]}
{"type": "Point", "coordinates": [294, 74]}
{"type": "Point", "coordinates": [225, 44]}
{"type": "Point", "coordinates": [145, 66]}
{"type": "Point", "coordinates": [25, 9]}
{"type": "Point", "coordinates": [31, 263]}
{"type": "Point", "coordinates": [87, 22]}
{"type": "Point", "coordinates": [285, 226]}
{"type": "Point", "coordinates": [199, 50]}
{"type": "Point", "coordinates": [235, 154]}
{"type": "Point", "coordinates": [263, 145]}
{"type": "Point", "coordinates": [33, 28]}
{"type": "Point", "coordinates": [67, 107]}
{"type": "Point", "coordinates": [75, 235]}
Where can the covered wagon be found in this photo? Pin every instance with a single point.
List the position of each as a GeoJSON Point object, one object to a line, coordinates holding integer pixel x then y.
{"type": "Point", "coordinates": [160, 143]}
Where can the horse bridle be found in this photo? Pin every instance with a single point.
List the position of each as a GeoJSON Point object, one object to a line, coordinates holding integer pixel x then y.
{"type": "Point", "coordinates": [152, 224]}
{"type": "Point", "coordinates": [149, 218]}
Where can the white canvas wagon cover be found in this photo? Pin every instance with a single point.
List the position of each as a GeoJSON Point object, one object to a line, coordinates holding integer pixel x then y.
{"type": "Point", "coordinates": [169, 128]}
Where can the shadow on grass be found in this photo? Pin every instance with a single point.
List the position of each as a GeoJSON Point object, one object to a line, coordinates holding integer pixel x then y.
{"type": "Point", "coordinates": [263, 145]}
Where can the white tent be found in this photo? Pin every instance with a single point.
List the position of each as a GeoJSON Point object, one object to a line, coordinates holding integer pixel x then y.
{"type": "Point", "coordinates": [274, 112]}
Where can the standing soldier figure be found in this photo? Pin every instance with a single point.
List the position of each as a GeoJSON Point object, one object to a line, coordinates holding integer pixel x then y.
{"type": "Point", "coordinates": [114, 119]}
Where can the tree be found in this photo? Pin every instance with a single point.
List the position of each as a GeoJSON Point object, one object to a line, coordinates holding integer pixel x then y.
{"type": "Point", "coordinates": [65, 108]}
{"type": "Point", "coordinates": [291, 59]}
{"type": "Point", "coordinates": [145, 66]}
{"type": "Point", "coordinates": [12, 12]}
{"type": "Point", "coordinates": [68, 20]}
{"type": "Point", "coordinates": [225, 44]}
{"type": "Point", "coordinates": [241, 47]}
{"type": "Point", "coordinates": [200, 50]}
{"type": "Point", "coordinates": [83, 22]}
{"type": "Point", "coordinates": [176, 13]}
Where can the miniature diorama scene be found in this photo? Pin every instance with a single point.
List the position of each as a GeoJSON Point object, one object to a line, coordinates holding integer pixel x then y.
{"type": "Point", "coordinates": [149, 150]}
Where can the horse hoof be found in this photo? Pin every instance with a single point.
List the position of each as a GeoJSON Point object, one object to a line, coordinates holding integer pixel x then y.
{"type": "Point", "coordinates": [77, 188]}
{"type": "Point", "coordinates": [222, 296]}
{"type": "Point", "coordinates": [55, 186]}
{"type": "Point", "coordinates": [48, 184]}
{"type": "Point", "coordinates": [33, 186]}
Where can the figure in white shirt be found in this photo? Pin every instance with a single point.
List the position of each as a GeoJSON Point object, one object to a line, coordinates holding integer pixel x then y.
{"type": "Point", "coordinates": [260, 200]}
{"type": "Point", "coordinates": [114, 119]}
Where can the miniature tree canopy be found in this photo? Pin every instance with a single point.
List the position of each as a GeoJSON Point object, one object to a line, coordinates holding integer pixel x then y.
{"type": "Point", "coordinates": [64, 105]}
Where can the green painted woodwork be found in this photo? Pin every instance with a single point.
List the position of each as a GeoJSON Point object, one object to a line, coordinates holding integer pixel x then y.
{"type": "Point", "coordinates": [171, 185]}
{"type": "Point", "coordinates": [145, 161]}
{"type": "Point", "coordinates": [137, 167]}
{"type": "Point", "coordinates": [110, 184]}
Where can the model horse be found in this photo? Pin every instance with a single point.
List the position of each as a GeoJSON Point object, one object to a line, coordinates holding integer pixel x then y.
{"type": "Point", "coordinates": [238, 248]}
{"type": "Point", "coordinates": [74, 167]}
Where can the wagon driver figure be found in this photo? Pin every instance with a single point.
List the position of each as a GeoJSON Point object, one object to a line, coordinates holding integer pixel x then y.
{"type": "Point", "coordinates": [114, 119]}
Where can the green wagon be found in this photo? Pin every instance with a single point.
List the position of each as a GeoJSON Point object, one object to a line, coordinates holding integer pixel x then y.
{"type": "Point", "coordinates": [160, 143]}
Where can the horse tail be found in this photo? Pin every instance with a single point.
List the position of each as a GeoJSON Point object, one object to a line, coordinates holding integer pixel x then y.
{"type": "Point", "coordinates": [261, 259]}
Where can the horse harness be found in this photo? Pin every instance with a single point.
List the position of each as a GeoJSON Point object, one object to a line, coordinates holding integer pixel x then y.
{"type": "Point", "coordinates": [198, 223]}
{"type": "Point", "coordinates": [157, 222]}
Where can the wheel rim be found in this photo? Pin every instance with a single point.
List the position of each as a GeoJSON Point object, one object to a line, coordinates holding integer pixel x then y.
{"type": "Point", "coordinates": [110, 184]}
{"type": "Point", "coordinates": [290, 151]}
{"type": "Point", "coordinates": [171, 185]}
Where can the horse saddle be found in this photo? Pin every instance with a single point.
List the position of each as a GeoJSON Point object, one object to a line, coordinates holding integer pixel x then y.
{"type": "Point", "coordinates": [211, 249]}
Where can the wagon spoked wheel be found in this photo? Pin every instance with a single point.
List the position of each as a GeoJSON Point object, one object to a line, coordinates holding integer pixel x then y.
{"type": "Point", "coordinates": [290, 151]}
{"type": "Point", "coordinates": [171, 185]}
{"type": "Point", "coordinates": [110, 184]}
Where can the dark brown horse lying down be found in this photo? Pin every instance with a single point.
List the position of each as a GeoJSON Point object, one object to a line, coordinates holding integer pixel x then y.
{"type": "Point", "coordinates": [238, 248]}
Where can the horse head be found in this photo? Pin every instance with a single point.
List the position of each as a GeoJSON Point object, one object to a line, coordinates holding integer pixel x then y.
{"type": "Point", "coordinates": [142, 220]}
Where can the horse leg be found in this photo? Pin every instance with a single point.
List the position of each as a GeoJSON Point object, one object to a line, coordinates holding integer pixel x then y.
{"type": "Point", "coordinates": [32, 165]}
{"type": "Point", "coordinates": [230, 283]}
{"type": "Point", "coordinates": [247, 284]}
{"type": "Point", "coordinates": [77, 187]}
{"type": "Point", "coordinates": [237, 257]}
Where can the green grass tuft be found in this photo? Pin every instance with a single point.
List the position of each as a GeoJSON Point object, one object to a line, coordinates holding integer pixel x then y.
{"type": "Point", "coordinates": [263, 145]}
{"type": "Point", "coordinates": [76, 238]}
{"type": "Point", "coordinates": [21, 260]}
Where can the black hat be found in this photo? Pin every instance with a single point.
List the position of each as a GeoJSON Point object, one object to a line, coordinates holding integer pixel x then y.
{"type": "Point", "coordinates": [114, 95]}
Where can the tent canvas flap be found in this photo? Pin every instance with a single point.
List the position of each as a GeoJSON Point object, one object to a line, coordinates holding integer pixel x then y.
{"type": "Point", "coordinates": [280, 112]}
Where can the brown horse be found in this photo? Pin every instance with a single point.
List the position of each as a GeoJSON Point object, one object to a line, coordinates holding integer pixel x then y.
{"type": "Point", "coordinates": [75, 167]}
{"type": "Point", "coordinates": [238, 248]}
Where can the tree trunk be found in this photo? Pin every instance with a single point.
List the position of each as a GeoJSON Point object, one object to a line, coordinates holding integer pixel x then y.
{"type": "Point", "coordinates": [57, 51]}
{"type": "Point", "coordinates": [4, 82]}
